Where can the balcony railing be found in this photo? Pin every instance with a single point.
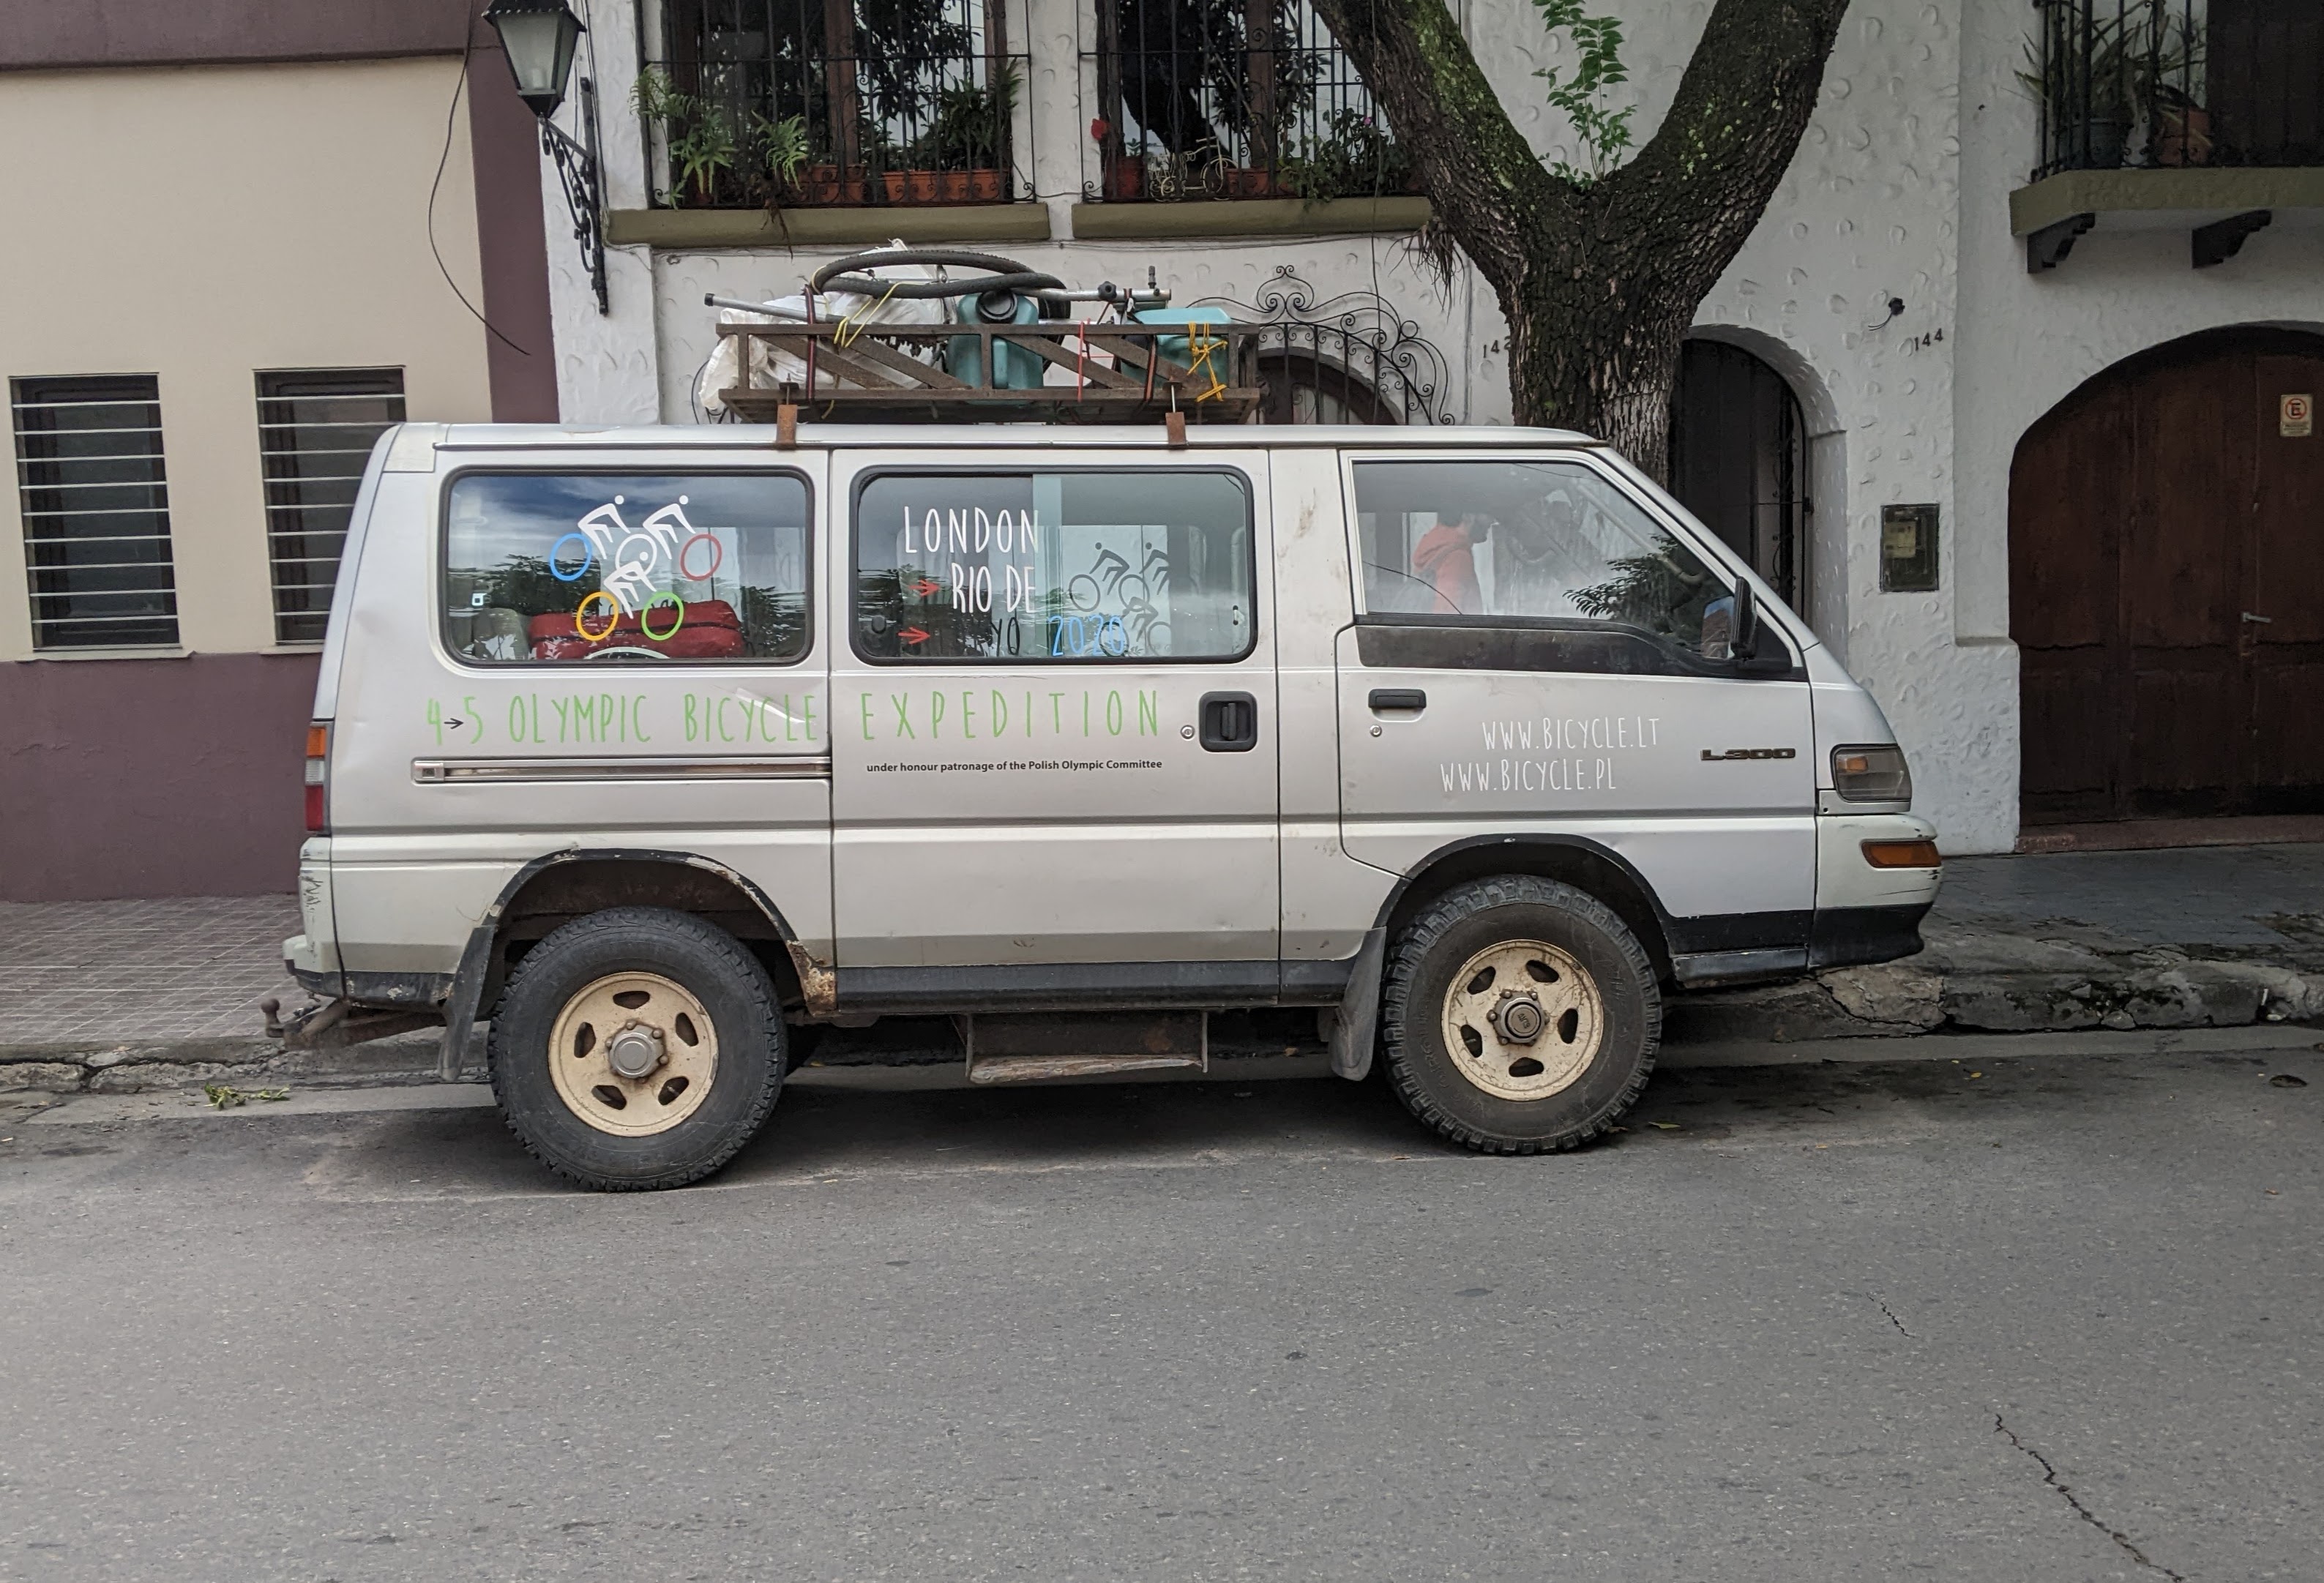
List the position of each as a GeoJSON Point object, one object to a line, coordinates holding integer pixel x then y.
{"type": "Point", "coordinates": [795, 102]}
{"type": "Point", "coordinates": [2176, 83]}
{"type": "Point", "coordinates": [1232, 99]}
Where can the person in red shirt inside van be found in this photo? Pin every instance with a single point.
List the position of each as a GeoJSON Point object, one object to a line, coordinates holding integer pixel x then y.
{"type": "Point", "coordinates": [1444, 557]}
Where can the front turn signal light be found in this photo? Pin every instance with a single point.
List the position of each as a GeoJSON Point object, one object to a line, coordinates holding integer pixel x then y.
{"type": "Point", "coordinates": [1902, 854]}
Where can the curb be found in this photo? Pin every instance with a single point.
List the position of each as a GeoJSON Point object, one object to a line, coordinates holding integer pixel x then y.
{"type": "Point", "coordinates": [140, 1067]}
{"type": "Point", "coordinates": [2157, 990]}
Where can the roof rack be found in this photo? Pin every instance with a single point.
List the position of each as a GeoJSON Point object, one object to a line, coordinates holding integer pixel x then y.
{"type": "Point", "coordinates": [1117, 372]}
{"type": "Point", "coordinates": [1008, 347]}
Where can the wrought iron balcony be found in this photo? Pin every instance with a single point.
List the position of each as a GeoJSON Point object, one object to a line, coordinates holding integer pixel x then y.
{"type": "Point", "coordinates": [2172, 84]}
{"type": "Point", "coordinates": [1232, 99]}
{"type": "Point", "coordinates": [813, 103]}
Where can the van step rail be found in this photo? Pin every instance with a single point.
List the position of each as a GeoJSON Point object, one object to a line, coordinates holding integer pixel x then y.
{"type": "Point", "coordinates": [1034, 1049]}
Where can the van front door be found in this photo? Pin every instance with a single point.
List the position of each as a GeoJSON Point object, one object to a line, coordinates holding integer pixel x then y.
{"type": "Point", "coordinates": [1539, 655]}
{"type": "Point", "coordinates": [1054, 752]}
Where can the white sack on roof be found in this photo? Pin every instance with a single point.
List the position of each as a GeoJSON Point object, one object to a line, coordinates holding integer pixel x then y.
{"type": "Point", "coordinates": [769, 367]}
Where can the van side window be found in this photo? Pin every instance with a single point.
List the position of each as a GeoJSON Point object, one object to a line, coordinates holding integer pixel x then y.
{"type": "Point", "coordinates": [1054, 568]}
{"type": "Point", "coordinates": [1529, 542]}
{"type": "Point", "coordinates": [624, 567]}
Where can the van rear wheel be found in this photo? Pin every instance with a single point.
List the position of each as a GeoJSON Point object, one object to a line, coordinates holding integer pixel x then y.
{"type": "Point", "coordinates": [1519, 1015]}
{"type": "Point", "coordinates": [637, 1048]}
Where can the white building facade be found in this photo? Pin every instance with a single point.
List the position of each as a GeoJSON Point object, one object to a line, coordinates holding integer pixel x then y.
{"type": "Point", "coordinates": [1913, 305]}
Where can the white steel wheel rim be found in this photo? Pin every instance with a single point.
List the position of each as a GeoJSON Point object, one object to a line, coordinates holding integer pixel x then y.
{"type": "Point", "coordinates": [634, 1017]}
{"type": "Point", "coordinates": [1508, 990]}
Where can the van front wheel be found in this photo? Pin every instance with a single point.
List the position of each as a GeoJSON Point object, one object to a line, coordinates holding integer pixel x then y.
{"type": "Point", "coordinates": [1519, 1015]}
{"type": "Point", "coordinates": [636, 1048]}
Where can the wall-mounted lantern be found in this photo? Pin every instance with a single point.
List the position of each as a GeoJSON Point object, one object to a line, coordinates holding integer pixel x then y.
{"type": "Point", "coordinates": [540, 37]}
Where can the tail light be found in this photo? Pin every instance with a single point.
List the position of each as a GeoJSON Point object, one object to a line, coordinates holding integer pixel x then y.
{"type": "Point", "coordinates": [318, 756]}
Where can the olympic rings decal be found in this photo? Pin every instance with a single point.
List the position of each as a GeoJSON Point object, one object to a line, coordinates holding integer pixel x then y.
{"type": "Point", "coordinates": [717, 558]}
{"type": "Point", "coordinates": [588, 557]}
{"type": "Point", "coordinates": [645, 626]}
{"type": "Point", "coordinates": [613, 617]}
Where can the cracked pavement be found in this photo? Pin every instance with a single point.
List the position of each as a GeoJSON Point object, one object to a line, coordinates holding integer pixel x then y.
{"type": "Point", "coordinates": [2044, 1318]}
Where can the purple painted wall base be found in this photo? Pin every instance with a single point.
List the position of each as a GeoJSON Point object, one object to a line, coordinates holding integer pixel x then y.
{"type": "Point", "coordinates": [138, 778]}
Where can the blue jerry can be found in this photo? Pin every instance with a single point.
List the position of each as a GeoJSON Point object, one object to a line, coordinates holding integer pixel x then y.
{"type": "Point", "coordinates": [1013, 367]}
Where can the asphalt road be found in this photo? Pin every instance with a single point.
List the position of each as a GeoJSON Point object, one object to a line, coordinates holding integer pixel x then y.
{"type": "Point", "coordinates": [2060, 1321]}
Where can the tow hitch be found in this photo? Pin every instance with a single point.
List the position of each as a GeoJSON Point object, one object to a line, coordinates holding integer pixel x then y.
{"type": "Point", "coordinates": [334, 1024]}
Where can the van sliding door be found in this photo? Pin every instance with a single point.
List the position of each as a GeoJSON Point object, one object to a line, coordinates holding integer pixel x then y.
{"type": "Point", "coordinates": [1054, 736]}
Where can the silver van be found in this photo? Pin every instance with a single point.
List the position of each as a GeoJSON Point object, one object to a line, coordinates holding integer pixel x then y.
{"type": "Point", "coordinates": [686, 755]}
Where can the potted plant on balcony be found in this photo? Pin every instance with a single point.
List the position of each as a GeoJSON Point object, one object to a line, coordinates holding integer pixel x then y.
{"type": "Point", "coordinates": [2104, 79]}
{"type": "Point", "coordinates": [959, 159]}
{"type": "Point", "coordinates": [1355, 157]}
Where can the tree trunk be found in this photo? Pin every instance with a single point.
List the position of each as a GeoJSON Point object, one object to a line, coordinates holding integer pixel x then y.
{"type": "Point", "coordinates": [1598, 281]}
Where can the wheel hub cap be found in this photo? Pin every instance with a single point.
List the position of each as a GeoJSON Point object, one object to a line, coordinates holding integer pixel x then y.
{"type": "Point", "coordinates": [1518, 1018]}
{"type": "Point", "coordinates": [633, 1054]}
{"type": "Point", "coordinates": [1523, 1019]}
{"type": "Point", "coordinates": [634, 1051]}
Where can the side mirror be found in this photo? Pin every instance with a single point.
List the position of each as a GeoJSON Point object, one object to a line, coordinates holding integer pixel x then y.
{"type": "Point", "coordinates": [1757, 651]}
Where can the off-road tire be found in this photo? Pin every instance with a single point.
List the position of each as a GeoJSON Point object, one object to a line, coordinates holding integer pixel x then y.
{"type": "Point", "coordinates": [1444, 937]}
{"type": "Point", "coordinates": [706, 961]}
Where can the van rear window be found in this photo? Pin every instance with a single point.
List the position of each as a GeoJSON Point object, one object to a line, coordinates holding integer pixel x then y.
{"type": "Point", "coordinates": [1053, 569]}
{"type": "Point", "coordinates": [626, 568]}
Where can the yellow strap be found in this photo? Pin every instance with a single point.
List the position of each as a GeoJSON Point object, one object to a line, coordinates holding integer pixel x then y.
{"type": "Point", "coordinates": [1203, 346]}
{"type": "Point", "coordinates": [851, 329]}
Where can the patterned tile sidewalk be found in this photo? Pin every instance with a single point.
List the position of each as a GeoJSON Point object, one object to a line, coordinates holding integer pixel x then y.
{"type": "Point", "coordinates": [130, 971]}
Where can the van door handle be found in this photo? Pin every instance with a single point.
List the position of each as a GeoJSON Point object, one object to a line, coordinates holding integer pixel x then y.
{"type": "Point", "coordinates": [1230, 722]}
{"type": "Point", "coordinates": [1411, 698]}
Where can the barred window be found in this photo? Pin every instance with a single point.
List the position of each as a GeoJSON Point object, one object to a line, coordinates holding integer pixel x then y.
{"type": "Point", "coordinates": [796, 103]}
{"type": "Point", "coordinates": [316, 429]}
{"type": "Point", "coordinates": [95, 505]}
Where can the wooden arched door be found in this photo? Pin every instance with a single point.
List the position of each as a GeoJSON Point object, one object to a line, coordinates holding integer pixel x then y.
{"type": "Point", "coordinates": [2166, 585]}
{"type": "Point", "coordinates": [1738, 459]}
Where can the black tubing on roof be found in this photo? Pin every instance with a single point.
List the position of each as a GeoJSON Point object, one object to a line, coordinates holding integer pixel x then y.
{"type": "Point", "coordinates": [1005, 275]}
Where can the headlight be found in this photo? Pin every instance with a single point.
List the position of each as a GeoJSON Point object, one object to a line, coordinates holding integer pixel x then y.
{"type": "Point", "coordinates": [1871, 774]}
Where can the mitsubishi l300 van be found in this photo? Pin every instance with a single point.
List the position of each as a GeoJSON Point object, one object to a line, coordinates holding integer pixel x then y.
{"type": "Point", "coordinates": [683, 755]}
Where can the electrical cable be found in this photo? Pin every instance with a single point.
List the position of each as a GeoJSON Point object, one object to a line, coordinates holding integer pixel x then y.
{"type": "Point", "coordinates": [451, 116]}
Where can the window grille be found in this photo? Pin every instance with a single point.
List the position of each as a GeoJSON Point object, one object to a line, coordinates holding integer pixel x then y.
{"type": "Point", "coordinates": [2173, 83]}
{"type": "Point", "coordinates": [1233, 98]}
{"type": "Point", "coordinates": [95, 504]}
{"type": "Point", "coordinates": [316, 428]}
{"type": "Point", "coordinates": [800, 102]}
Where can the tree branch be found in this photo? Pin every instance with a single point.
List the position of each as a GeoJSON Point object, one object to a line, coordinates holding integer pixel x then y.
{"type": "Point", "coordinates": [1489, 189]}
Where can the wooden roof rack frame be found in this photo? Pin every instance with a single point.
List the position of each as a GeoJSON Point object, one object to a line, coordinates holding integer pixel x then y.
{"type": "Point", "coordinates": [1111, 372]}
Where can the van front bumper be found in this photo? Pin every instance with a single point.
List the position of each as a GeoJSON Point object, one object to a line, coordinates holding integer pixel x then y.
{"type": "Point", "coordinates": [1852, 937]}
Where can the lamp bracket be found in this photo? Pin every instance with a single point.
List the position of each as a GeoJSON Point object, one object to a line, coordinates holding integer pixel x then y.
{"type": "Point", "coordinates": [577, 171]}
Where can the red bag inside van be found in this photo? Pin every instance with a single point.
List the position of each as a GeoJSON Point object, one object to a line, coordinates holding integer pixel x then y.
{"type": "Point", "coordinates": [710, 630]}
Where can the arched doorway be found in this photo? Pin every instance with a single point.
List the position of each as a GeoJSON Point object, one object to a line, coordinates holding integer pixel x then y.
{"type": "Point", "coordinates": [2166, 586]}
{"type": "Point", "coordinates": [1305, 387]}
{"type": "Point", "coordinates": [1738, 459]}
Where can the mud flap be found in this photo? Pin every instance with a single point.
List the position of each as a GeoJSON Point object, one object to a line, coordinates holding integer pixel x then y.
{"type": "Point", "coordinates": [1354, 1026]}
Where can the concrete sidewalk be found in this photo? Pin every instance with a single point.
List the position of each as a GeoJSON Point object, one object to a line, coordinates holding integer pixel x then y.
{"type": "Point", "coordinates": [121, 995]}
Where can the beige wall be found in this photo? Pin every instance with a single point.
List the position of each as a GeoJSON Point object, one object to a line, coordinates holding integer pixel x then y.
{"type": "Point", "coordinates": [202, 223]}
